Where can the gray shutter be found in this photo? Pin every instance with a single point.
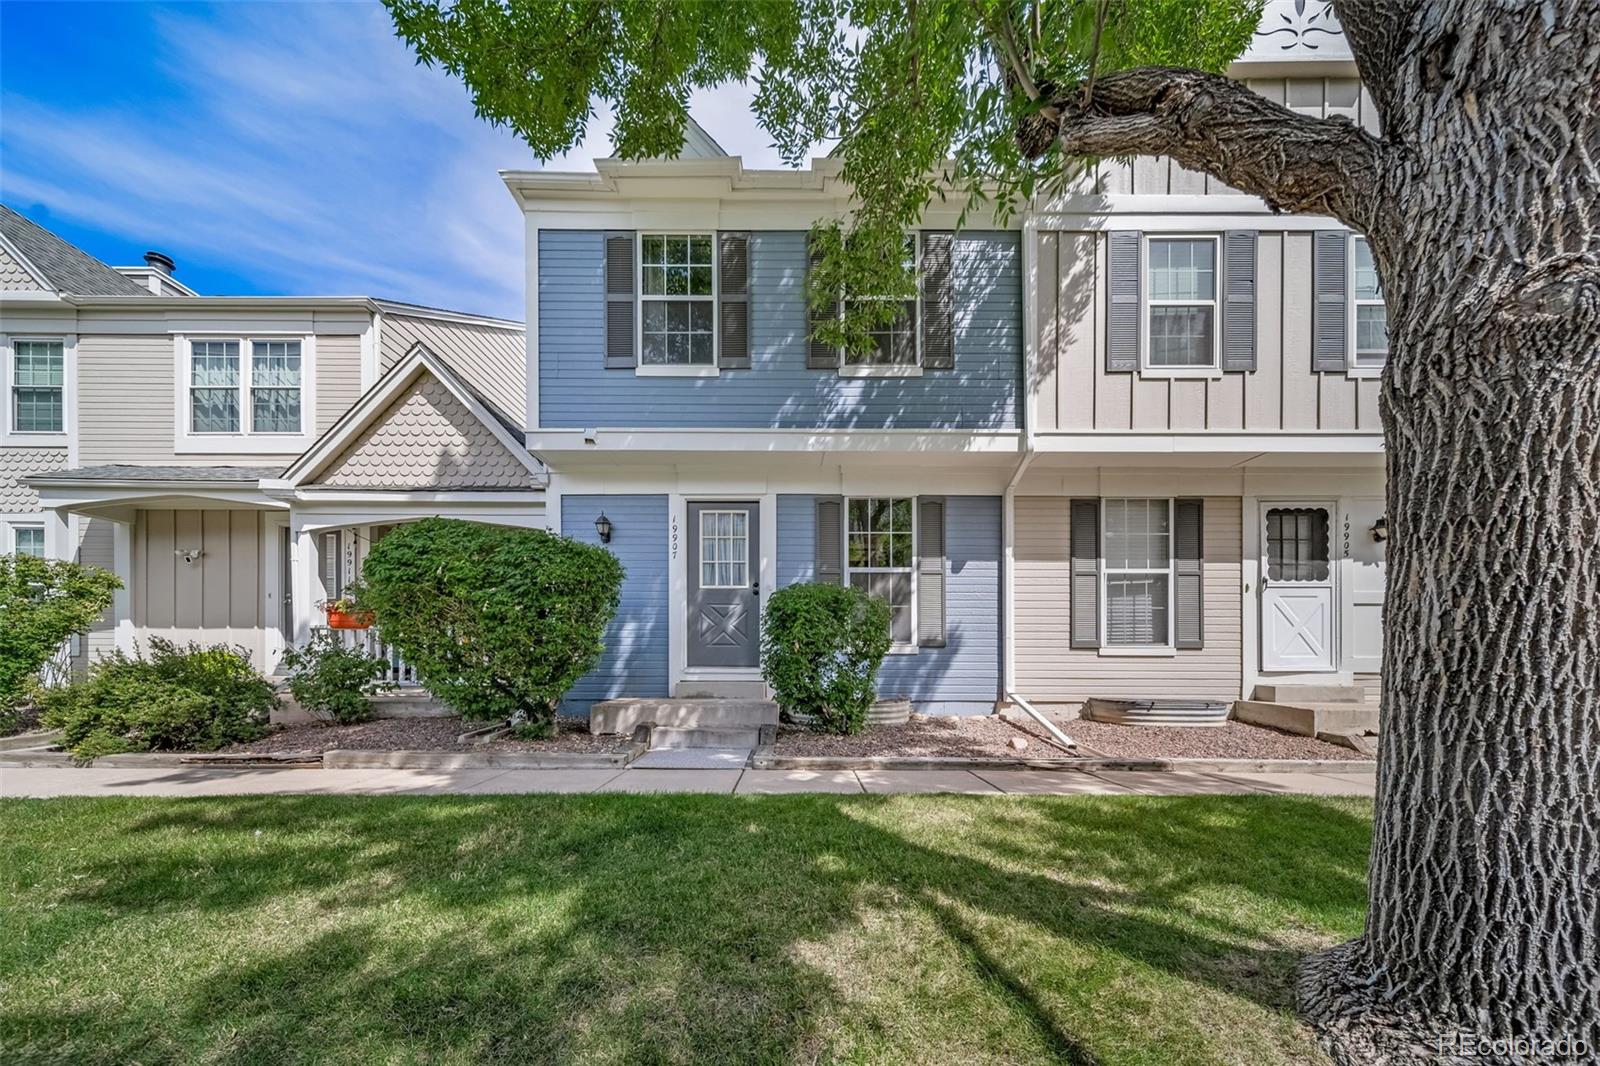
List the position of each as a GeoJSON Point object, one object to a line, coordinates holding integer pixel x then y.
{"type": "Point", "coordinates": [938, 301]}
{"type": "Point", "coordinates": [620, 336]}
{"type": "Point", "coordinates": [733, 294]}
{"type": "Point", "coordinates": [1328, 300]}
{"type": "Point", "coordinates": [1085, 591]}
{"type": "Point", "coordinates": [830, 540]}
{"type": "Point", "coordinates": [1188, 552]}
{"type": "Point", "coordinates": [330, 552]}
{"type": "Point", "coordinates": [1123, 311]}
{"type": "Point", "coordinates": [1239, 300]}
{"type": "Point", "coordinates": [819, 356]}
{"type": "Point", "coordinates": [930, 571]}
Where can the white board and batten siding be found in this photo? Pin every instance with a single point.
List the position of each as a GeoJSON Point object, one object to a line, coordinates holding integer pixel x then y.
{"type": "Point", "coordinates": [492, 359]}
{"type": "Point", "coordinates": [1053, 673]}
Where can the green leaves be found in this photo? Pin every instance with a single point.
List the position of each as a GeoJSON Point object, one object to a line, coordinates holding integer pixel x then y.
{"type": "Point", "coordinates": [821, 646]}
{"type": "Point", "coordinates": [42, 603]}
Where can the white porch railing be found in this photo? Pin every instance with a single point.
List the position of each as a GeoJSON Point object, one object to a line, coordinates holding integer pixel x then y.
{"type": "Point", "coordinates": [396, 673]}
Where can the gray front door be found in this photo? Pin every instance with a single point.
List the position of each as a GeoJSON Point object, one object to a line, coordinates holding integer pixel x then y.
{"type": "Point", "coordinates": [724, 584]}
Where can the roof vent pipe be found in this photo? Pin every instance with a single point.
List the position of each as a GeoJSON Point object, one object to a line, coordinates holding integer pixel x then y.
{"type": "Point", "coordinates": [160, 261]}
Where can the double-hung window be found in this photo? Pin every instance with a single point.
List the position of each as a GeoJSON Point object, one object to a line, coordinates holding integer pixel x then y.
{"type": "Point", "coordinates": [239, 386]}
{"type": "Point", "coordinates": [38, 386]}
{"type": "Point", "coordinates": [880, 558]}
{"type": "Point", "coordinates": [28, 540]}
{"type": "Point", "coordinates": [677, 300]}
{"type": "Point", "coordinates": [894, 343]}
{"type": "Point", "coordinates": [1371, 325]}
{"type": "Point", "coordinates": [1182, 306]}
{"type": "Point", "coordinates": [1137, 573]}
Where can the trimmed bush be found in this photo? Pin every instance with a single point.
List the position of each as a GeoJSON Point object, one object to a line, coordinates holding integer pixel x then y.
{"type": "Point", "coordinates": [332, 680]}
{"type": "Point", "coordinates": [182, 698]}
{"type": "Point", "coordinates": [821, 647]}
{"type": "Point", "coordinates": [498, 622]}
{"type": "Point", "coordinates": [42, 603]}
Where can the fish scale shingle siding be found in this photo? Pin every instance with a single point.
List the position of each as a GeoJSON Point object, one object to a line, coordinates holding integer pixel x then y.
{"type": "Point", "coordinates": [17, 463]}
{"type": "Point", "coordinates": [778, 392]}
{"type": "Point", "coordinates": [426, 439]}
{"type": "Point", "coordinates": [14, 277]}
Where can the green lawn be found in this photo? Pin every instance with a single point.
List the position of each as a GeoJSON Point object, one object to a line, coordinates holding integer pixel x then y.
{"type": "Point", "coordinates": [668, 929]}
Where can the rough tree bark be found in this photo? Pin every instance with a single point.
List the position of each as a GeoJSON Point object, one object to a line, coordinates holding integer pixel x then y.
{"type": "Point", "coordinates": [1481, 199]}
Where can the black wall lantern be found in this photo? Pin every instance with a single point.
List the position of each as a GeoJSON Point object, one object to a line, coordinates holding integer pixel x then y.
{"type": "Point", "coordinates": [1380, 529]}
{"type": "Point", "coordinates": [602, 526]}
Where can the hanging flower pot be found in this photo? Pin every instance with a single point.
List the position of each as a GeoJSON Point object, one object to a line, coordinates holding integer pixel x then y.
{"type": "Point", "coordinates": [344, 614]}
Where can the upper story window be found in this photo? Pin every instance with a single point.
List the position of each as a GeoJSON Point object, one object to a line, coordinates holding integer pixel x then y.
{"type": "Point", "coordinates": [1137, 573]}
{"type": "Point", "coordinates": [1182, 305]}
{"type": "Point", "coordinates": [894, 343]}
{"type": "Point", "coordinates": [38, 386]}
{"type": "Point", "coordinates": [880, 558]}
{"type": "Point", "coordinates": [220, 380]}
{"type": "Point", "coordinates": [677, 300]}
{"type": "Point", "coordinates": [1371, 317]}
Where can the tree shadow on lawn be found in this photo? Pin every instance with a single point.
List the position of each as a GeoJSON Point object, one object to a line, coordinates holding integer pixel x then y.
{"type": "Point", "coordinates": [683, 928]}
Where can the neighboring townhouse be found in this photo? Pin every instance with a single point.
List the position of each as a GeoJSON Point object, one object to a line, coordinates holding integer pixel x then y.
{"type": "Point", "coordinates": [1127, 446]}
{"type": "Point", "coordinates": [233, 458]}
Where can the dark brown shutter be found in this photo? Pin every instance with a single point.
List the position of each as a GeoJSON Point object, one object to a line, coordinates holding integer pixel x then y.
{"type": "Point", "coordinates": [938, 301]}
{"type": "Point", "coordinates": [621, 353]}
{"type": "Point", "coordinates": [733, 295]}
{"type": "Point", "coordinates": [1328, 307]}
{"type": "Point", "coordinates": [1239, 300]}
{"type": "Point", "coordinates": [930, 571]}
{"type": "Point", "coordinates": [1123, 309]}
{"type": "Point", "coordinates": [830, 540]}
{"type": "Point", "coordinates": [1085, 591]}
{"type": "Point", "coordinates": [819, 356]}
{"type": "Point", "coordinates": [1188, 552]}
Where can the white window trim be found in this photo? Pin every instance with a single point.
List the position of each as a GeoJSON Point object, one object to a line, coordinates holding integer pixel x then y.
{"type": "Point", "coordinates": [246, 441]}
{"type": "Point", "coordinates": [1354, 368]}
{"type": "Point", "coordinates": [1139, 650]}
{"type": "Point", "coordinates": [869, 370]}
{"type": "Point", "coordinates": [1146, 302]}
{"type": "Point", "coordinates": [659, 371]}
{"type": "Point", "coordinates": [10, 523]}
{"type": "Point", "coordinates": [9, 436]}
{"type": "Point", "coordinates": [700, 546]}
{"type": "Point", "coordinates": [915, 643]}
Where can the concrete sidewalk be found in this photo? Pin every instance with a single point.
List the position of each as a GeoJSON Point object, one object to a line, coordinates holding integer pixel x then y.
{"type": "Point", "coordinates": [65, 781]}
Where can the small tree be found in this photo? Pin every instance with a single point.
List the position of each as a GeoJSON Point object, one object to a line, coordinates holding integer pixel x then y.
{"type": "Point", "coordinates": [42, 603]}
{"type": "Point", "coordinates": [333, 680]}
{"type": "Point", "coordinates": [497, 622]}
{"type": "Point", "coordinates": [821, 648]}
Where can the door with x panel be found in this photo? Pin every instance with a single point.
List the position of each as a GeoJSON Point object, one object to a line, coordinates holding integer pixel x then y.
{"type": "Point", "coordinates": [1297, 594]}
{"type": "Point", "coordinates": [724, 585]}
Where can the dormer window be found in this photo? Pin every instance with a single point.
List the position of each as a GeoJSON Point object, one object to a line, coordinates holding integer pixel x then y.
{"type": "Point", "coordinates": [677, 300]}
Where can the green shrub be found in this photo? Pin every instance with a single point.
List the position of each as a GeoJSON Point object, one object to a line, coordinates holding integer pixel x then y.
{"type": "Point", "coordinates": [498, 622]}
{"type": "Point", "coordinates": [182, 698]}
{"type": "Point", "coordinates": [42, 603]}
{"type": "Point", "coordinates": [333, 680]}
{"type": "Point", "coordinates": [821, 647]}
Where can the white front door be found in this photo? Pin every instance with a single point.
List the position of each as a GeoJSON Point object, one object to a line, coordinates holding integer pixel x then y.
{"type": "Point", "coordinates": [1297, 594]}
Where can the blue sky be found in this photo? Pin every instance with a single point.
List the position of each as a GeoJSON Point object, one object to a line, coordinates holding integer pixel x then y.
{"type": "Point", "coordinates": [274, 148]}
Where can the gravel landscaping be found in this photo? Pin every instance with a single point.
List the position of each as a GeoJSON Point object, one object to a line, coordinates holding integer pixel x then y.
{"type": "Point", "coordinates": [924, 736]}
{"type": "Point", "coordinates": [420, 734]}
{"type": "Point", "coordinates": [1234, 740]}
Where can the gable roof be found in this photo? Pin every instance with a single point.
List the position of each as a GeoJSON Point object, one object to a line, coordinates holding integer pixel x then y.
{"type": "Point", "coordinates": [362, 444]}
{"type": "Point", "coordinates": [59, 265]}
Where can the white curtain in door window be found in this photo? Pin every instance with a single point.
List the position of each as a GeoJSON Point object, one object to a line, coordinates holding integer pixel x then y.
{"type": "Point", "coordinates": [724, 549]}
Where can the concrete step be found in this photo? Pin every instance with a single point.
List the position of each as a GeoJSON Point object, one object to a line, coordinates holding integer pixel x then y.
{"type": "Point", "coordinates": [1303, 694]}
{"type": "Point", "coordinates": [666, 736]}
{"type": "Point", "coordinates": [720, 690]}
{"type": "Point", "coordinates": [626, 715]}
{"type": "Point", "coordinates": [1308, 719]}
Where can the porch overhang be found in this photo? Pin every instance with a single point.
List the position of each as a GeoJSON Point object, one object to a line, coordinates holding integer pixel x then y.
{"type": "Point", "coordinates": [115, 491]}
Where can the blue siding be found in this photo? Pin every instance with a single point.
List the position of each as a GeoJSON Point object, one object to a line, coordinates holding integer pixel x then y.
{"type": "Point", "coordinates": [575, 390]}
{"type": "Point", "coordinates": [635, 659]}
{"type": "Point", "coordinates": [964, 676]}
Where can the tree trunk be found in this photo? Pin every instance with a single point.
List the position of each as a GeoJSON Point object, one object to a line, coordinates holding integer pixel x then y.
{"type": "Point", "coordinates": [1484, 915]}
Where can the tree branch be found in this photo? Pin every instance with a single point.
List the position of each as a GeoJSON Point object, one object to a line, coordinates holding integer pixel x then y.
{"type": "Point", "coordinates": [1210, 123]}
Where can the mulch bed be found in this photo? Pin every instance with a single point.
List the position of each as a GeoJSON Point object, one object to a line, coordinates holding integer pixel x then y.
{"type": "Point", "coordinates": [1234, 740]}
{"type": "Point", "coordinates": [24, 719]}
{"type": "Point", "coordinates": [420, 734]}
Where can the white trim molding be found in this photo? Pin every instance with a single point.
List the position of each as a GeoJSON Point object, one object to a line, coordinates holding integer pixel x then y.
{"type": "Point", "coordinates": [67, 435]}
{"type": "Point", "coordinates": [245, 440]}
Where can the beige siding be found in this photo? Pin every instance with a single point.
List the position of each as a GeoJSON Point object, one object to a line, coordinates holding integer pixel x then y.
{"type": "Point", "coordinates": [492, 359]}
{"type": "Point", "coordinates": [14, 277]}
{"type": "Point", "coordinates": [1050, 671]}
{"type": "Point", "coordinates": [96, 547]}
{"type": "Point", "coordinates": [1074, 393]}
{"type": "Point", "coordinates": [338, 377]}
{"type": "Point", "coordinates": [17, 463]}
{"type": "Point", "coordinates": [428, 439]}
{"type": "Point", "coordinates": [217, 598]}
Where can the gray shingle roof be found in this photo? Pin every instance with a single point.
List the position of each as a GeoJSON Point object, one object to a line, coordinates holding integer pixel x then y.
{"type": "Point", "coordinates": [66, 268]}
{"type": "Point", "coordinates": [130, 472]}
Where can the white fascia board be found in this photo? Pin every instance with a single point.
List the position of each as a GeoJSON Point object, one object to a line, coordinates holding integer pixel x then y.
{"type": "Point", "coordinates": [532, 496]}
{"type": "Point", "coordinates": [1134, 211]}
{"type": "Point", "coordinates": [396, 307]}
{"type": "Point", "coordinates": [783, 440]}
{"type": "Point", "coordinates": [1202, 442]}
{"type": "Point", "coordinates": [80, 494]}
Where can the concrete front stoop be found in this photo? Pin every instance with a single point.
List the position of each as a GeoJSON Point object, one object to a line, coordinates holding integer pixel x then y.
{"type": "Point", "coordinates": [625, 715]}
{"type": "Point", "coordinates": [1308, 710]}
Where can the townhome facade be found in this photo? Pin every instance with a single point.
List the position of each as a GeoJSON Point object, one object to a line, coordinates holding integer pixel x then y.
{"type": "Point", "coordinates": [1124, 445]}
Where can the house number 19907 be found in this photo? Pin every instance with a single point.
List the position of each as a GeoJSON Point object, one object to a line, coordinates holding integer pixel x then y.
{"type": "Point", "coordinates": [674, 541]}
